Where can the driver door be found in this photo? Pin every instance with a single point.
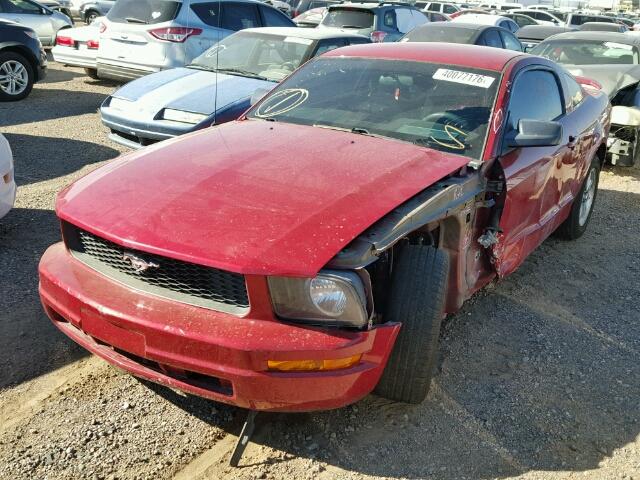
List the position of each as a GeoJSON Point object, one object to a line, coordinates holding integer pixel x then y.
{"type": "Point", "coordinates": [533, 175]}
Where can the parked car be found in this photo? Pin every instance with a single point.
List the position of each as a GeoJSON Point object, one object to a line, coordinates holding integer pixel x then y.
{"type": "Point", "coordinates": [217, 87]}
{"type": "Point", "coordinates": [530, 36]}
{"type": "Point", "coordinates": [541, 16]}
{"type": "Point", "coordinates": [486, 19]}
{"type": "Point", "coordinates": [574, 20]}
{"type": "Point", "coordinates": [468, 11]}
{"type": "Point", "coordinates": [89, 11]}
{"type": "Point", "coordinates": [603, 27]}
{"type": "Point", "coordinates": [78, 47]}
{"type": "Point", "coordinates": [44, 21]}
{"type": "Point", "coordinates": [382, 22]}
{"type": "Point", "coordinates": [520, 19]}
{"type": "Point", "coordinates": [23, 61]}
{"type": "Point", "coordinates": [306, 5]}
{"type": "Point", "coordinates": [140, 37]}
{"type": "Point", "coordinates": [306, 254]}
{"type": "Point", "coordinates": [310, 18]}
{"type": "Point", "coordinates": [439, 7]}
{"type": "Point", "coordinates": [62, 6]}
{"type": "Point", "coordinates": [7, 180]}
{"type": "Point", "coordinates": [469, 33]}
{"type": "Point", "coordinates": [612, 60]}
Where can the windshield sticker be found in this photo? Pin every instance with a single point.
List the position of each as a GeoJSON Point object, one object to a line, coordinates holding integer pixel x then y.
{"type": "Point", "coordinates": [619, 46]}
{"type": "Point", "coordinates": [282, 102]}
{"type": "Point", "coordinates": [465, 78]}
{"type": "Point", "coordinates": [213, 51]}
{"type": "Point", "coordinates": [155, 15]}
{"type": "Point", "coordinates": [301, 41]}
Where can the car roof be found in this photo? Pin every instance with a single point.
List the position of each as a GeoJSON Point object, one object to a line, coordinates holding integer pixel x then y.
{"type": "Point", "coordinates": [465, 26]}
{"type": "Point", "coordinates": [310, 33]}
{"type": "Point", "coordinates": [625, 38]}
{"type": "Point", "coordinates": [370, 5]}
{"type": "Point", "coordinates": [471, 56]}
{"type": "Point", "coordinates": [540, 32]}
{"type": "Point", "coordinates": [481, 18]}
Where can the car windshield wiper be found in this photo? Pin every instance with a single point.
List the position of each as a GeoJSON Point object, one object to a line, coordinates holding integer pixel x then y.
{"type": "Point", "coordinates": [136, 20]}
{"type": "Point", "coordinates": [356, 130]}
{"type": "Point", "coordinates": [195, 66]}
{"type": "Point", "coordinates": [242, 73]}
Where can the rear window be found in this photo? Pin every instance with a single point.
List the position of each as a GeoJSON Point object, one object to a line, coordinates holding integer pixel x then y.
{"type": "Point", "coordinates": [348, 18]}
{"type": "Point", "coordinates": [144, 11]}
{"type": "Point", "coordinates": [436, 33]}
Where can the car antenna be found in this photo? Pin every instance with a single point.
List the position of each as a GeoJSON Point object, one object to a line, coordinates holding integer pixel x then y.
{"type": "Point", "coordinates": [215, 95]}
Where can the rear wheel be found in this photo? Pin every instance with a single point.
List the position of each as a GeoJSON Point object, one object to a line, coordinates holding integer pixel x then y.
{"type": "Point", "coordinates": [576, 224]}
{"type": "Point", "coordinates": [92, 73]}
{"type": "Point", "coordinates": [16, 77]}
{"type": "Point", "coordinates": [417, 301]}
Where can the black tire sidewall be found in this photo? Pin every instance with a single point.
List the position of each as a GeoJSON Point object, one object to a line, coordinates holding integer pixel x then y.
{"type": "Point", "coordinates": [7, 56]}
{"type": "Point", "coordinates": [572, 229]}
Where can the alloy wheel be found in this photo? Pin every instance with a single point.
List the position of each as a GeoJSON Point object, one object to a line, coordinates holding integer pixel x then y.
{"type": "Point", "coordinates": [588, 195]}
{"type": "Point", "coordinates": [14, 77]}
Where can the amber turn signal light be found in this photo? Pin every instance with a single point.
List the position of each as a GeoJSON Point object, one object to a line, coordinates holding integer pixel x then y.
{"type": "Point", "coordinates": [313, 365]}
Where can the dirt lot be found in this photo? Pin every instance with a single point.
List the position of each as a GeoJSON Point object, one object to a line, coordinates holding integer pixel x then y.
{"type": "Point", "coordinates": [539, 375]}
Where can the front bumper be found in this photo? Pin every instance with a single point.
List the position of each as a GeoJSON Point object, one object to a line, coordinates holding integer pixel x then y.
{"type": "Point", "coordinates": [205, 352]}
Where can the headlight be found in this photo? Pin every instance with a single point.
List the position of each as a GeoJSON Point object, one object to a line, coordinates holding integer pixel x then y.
{"type": "Point", "coordinates": [119, 104]}
{"type": "Point", "coordinates": [183, 117]}
{"type": "Point", "coordinates": [333, 298]}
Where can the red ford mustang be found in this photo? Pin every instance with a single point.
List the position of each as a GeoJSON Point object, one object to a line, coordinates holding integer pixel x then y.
{"type": "Point", "coordinates": [304, 255]}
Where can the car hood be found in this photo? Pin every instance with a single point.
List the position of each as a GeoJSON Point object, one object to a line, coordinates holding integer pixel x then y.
{"type": "Point", "coordinates": [252, 196]}
{"type": "Point", "coordinates": [613, 78]}
{"type": "Point", "coordinates": [188, 89]}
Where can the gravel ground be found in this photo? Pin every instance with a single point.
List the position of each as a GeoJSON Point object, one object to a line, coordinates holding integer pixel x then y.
{"type": "Point", "coordinates": [539, 376]}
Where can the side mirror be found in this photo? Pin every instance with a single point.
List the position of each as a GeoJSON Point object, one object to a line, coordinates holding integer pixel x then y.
{"type": "Point", "coordinates": [46, 11]}
{"type": "Point", "coordinates": [259, 94]}
{"type": "Point", "coordinates": [535, 133]}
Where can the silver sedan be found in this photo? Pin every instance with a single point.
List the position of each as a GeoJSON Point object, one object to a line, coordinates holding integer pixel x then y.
{"type": "Point", "coordinates": [43, 20]}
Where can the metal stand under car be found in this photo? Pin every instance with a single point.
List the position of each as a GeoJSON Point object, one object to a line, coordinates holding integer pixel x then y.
{"type": "Point", "coordinates": [243, 439]}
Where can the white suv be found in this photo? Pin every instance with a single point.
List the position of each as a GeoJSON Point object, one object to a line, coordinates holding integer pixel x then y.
{"type": "Point", "coordinates": [139, 37]}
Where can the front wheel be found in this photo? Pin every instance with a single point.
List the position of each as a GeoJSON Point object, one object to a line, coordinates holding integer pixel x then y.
{"type": "Point", "coordinates": [418, 292]}
{"type": "Point", "coordinates": [90, 17]}
{"type": "Point", "coordinates": [576, 224]}
{"type": "Point", "coordinates": [16, 77]}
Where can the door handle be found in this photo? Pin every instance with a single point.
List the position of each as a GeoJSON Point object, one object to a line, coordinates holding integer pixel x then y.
{"type": "Point", "coordinates": [572, 142]}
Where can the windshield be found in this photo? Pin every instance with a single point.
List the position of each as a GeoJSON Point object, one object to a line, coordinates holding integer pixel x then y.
{"type": "Point", "coordinates": [348, 18]}
{"type": "Point", "coordinates": [443, 107]}
{"type": "Point", "coordinates": [585, 52]}
{"type": "Point", "coordinates": [269, 57]}
{"type": "Point", "coordinates": [143, 11]}
{"type": "Point", "coordinates": [440, 33]}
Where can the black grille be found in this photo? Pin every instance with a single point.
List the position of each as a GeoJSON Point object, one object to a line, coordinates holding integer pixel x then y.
{"type": "Point", "coordinates": [166, 277]}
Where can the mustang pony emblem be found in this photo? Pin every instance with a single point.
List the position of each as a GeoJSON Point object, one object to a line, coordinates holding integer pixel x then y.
{"type": "Point", "coordinates": [138, 264]}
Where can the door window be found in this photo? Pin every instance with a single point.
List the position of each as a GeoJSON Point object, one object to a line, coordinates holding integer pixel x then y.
{"type": "Point", "coordinates": [417, 18]}
{"type": "Point", "coordinates": [21, 7]}
{"type": "Point", "coordinates": [491, 38]}
{"type": "Point", "coordinates": [389, 20]}
{"type": "Point", "coordinates": [404, 22]}
{"type": "Point", "coordinates": [238, 16]}
{"type": "Point", "coordinates": [273, 18]}
{"type": "Point", "coordinates": [326, 45]}
{"type": "Point", "coordinates": [449, 9]}
{"type": "Point", "coordinates": [540, 85]}
{"type": "Point", "coordinates": [511, 42]}
{"type": "Point", "coordinates": [434, 7]}
{"type": "Point", "coordinates": [573, 95]}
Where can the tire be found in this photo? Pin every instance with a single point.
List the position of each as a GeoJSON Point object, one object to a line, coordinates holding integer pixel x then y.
{"type": "Point", "coordinates": [90, 16]}
{"type": "Point", "coordinates": [21, 71]}
{"type": "Point", "coordinates": [92, 73]}
{"type": "Point", "coordinates": [576, 224]}
{"type": "Point", "coordinates": [418, 291]}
